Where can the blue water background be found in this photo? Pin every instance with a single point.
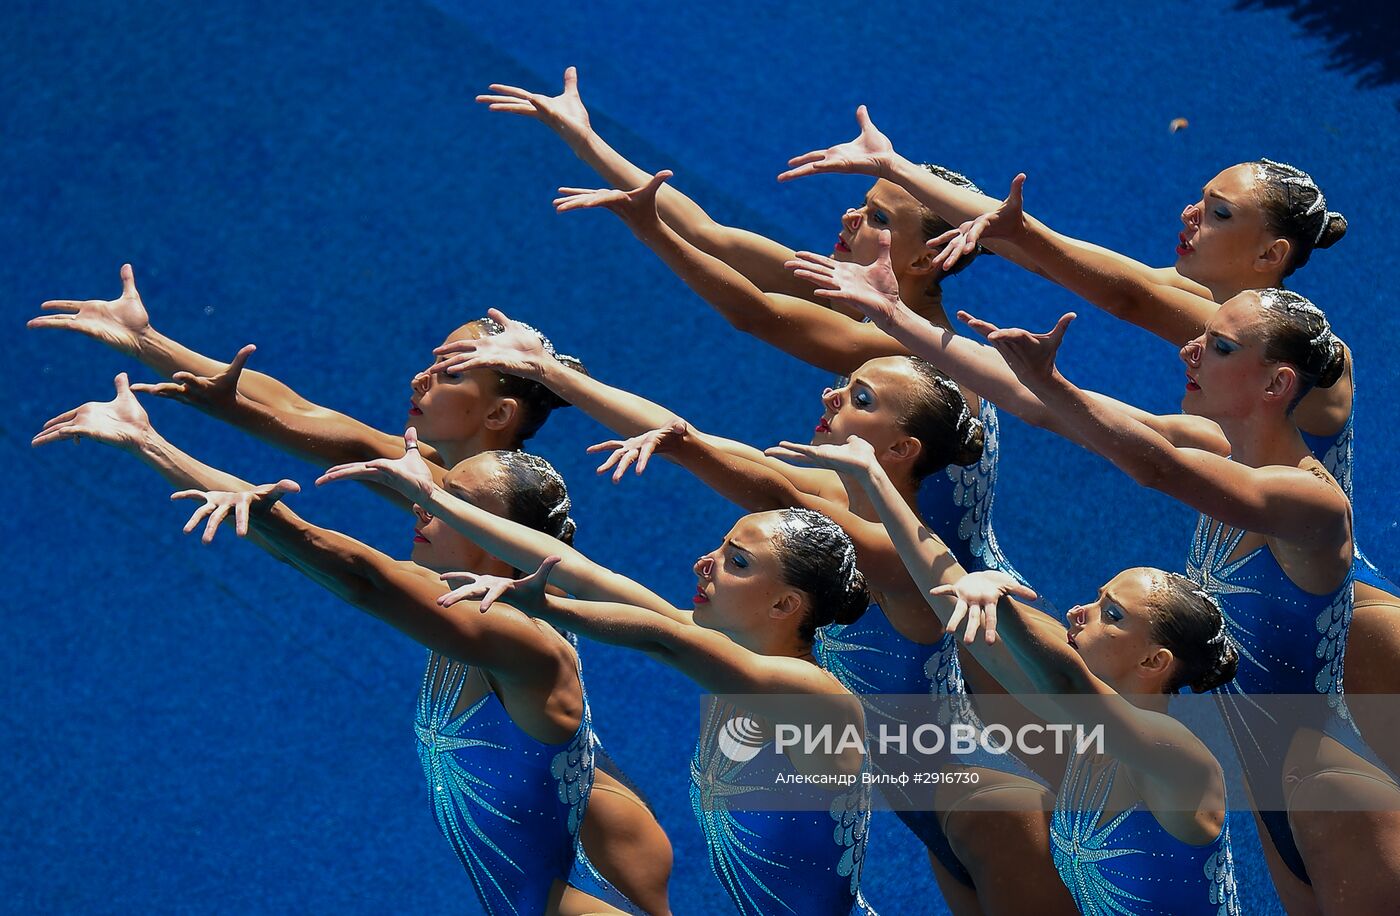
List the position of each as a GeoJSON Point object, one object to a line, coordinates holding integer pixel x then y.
{"type": "Point", "coordinates": [200, 729]}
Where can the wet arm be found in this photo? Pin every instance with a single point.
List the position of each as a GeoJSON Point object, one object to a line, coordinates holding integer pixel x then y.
{"type": "Point", "coordinates": [756, 257]}
{"type": "Point", "coordinates": [1277, 501]}
{"type": "Point", "coordinates": [1149, 297]}
{"type": "Point", "coordinates": [525, 548]}
{"type": "Point", "coordinates": [799, 327]}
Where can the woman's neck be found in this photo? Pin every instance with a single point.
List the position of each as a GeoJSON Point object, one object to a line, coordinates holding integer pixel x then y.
{"type": "Point", "coordinates": [455, 451]}
{"type": "Point", "coordinates": [775, 643]}
{"type": "Point", "coordinates": [859, 502]}
{"type": "Point", "coordinates": [925, 299]}
{"type": "Point", "coordinates": [1264, 439]}
{"type": "Point", "coordinates": [1225, 290]}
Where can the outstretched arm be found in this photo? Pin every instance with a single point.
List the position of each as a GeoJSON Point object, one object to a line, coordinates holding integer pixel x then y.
{"type": "Point", "coordinates": [871, 153]}
{"type": "Point", "coordinates": [758, 258]}
{"type": "Point", "coordinates": [711, 659]}
{"type": "Point", "coordinates": [872, 289]}
{"type": "Point", "coordinates": [1161, 301]}
{"type": "Point", "coordinates": [520, 546]}
{"type": "Point", "coordinates": [403, 595]}
{"type": "Point", "coordinates": [252, 401]}
{"type": "Point", "coordinates": [398, 593]}
{"type": "Point", "coordinates": [926, 560]}
{"type": "Point", "coordinates": [1285, 502]}
{"type": "Point", "coordinates": [799, 327]}
{"type": "Point", "coordinates": [1062, 687]}
{"type": "Point", "coordinates": [517, 351]}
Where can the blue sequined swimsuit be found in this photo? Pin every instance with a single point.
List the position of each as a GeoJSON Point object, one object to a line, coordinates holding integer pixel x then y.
{"type": "Point", "coordinates": [781, 861]}
{"type": "Point", "coordinates": [1337, 456]}
{"type": "Point", "coordinates": [1129, 864]}
{"type": "Point", "coordinates": [1290, 642]}
{"type": "Point", "coordinates": [956, 503]}
{"type": "Point", "coordinates": [510, 805]}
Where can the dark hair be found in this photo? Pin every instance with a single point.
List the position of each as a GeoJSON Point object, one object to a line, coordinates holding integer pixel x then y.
{"type": "Point", "coordinates": [535, 400]}
{"type": "Point", "coordinates": [935, 225]}
{"type": "Point", "coordinates": [1186, 620]}
{"type": "Point", "coordinates": [937, 414]}
{"type": "Point", "coordinates": [534, 494]}
{"type": "Point", "coordinates": [1296, 332]}
{"type": "Point", "coordinates": [1294, 207]}
{"type": "Point", "coordinates": [817, 557]}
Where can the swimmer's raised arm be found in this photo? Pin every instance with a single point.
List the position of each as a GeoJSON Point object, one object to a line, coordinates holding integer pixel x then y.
{"type": "Point", "coordinates": [924, 556]}
{"type": "Point", "coordinates": [401, 594]}
{"type": "Point", "coordinates": [123, 424]}
{"type": "Point", "coordinates": [1290, 503]}
{"type": "Point", "coordinates": [1061, 685]}
{"type": "Point", "coordinates": [518, 351]}
{"type": "Point", "coordinates": [874, 291]}
{"type": "Point", "coordinates": [1174, 309]}
{"type": "Point", "coordinates": [871, 153]}
{"type": "Point", "coordinates": [708, 657]}
{"type": "Point", "coordinates": [755, 256]}
{"type": "Point", "coordinates": [519, 545]}
{"type": "Point", "coordinates": [799, 327]}
{"type": "Point", "coordinates": [252, 401]}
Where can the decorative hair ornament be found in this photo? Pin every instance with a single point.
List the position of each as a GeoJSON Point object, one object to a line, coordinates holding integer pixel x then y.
{"type": "Point", "coordinates": [1294, 177]}
{"type": "Point", "coordinates": [968, 426]}
{"type": "Point", "coordinates": [1289, 302]}
{"type": "Point", "coordinates": [561, 508]}
{"type": "Point", "coordinates": [1222, 634]}
{"type": "Point", "coordinates": [797, 521]}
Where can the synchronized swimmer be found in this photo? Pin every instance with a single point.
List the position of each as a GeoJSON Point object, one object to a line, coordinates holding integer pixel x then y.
{"type": "Point", "coordinates": [864, 555]}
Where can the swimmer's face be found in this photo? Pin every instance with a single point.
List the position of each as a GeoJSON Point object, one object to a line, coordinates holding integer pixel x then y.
{"type": "Point", "coordinates": [886, 206]}
{"type": "Point", "coordinates": [454, 407]}
{"type": "Point", "coordinates": [440, 547]}
{"type": "Point", "coordinates": [872, 405]}
{"type": "Point", "coordinates": [740, 588]}
{"type": "Point", "coordinates": [1227, 375]}
{"type": "Point", "coordinates": [1225, 236]}
{"type": "Point", "coordinates": [1114, 634]}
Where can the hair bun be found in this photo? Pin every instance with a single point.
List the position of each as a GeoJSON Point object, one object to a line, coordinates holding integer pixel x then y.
{"type": "Point", "coordinates": [856, 600]}
{"type": "Point", "coordinates": [1333, 363]}
{"type": "Point", "coordinates": [1333, 229]}
{"type": "Point", "coordinates": [1221, 671]}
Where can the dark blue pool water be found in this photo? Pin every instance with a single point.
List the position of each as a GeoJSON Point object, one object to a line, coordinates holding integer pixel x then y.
{"type": "Point", "coordinates": [194, 728]}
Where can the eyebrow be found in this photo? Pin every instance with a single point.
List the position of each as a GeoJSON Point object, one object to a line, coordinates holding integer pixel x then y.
{"type": "Point", "coordinates": [1206, 192]}
{"type": "Point", "coordinates": [737, 546]}
{"type": "Point", "coordinates": [1225, 337]}
{"type": "Point", "coordinates": [1105, 593]}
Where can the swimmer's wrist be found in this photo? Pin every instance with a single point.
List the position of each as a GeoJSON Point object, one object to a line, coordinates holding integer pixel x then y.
{"type": "Point", "coordinates": [892, 167]}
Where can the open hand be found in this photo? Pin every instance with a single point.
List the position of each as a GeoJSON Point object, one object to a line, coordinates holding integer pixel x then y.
{"type": "Point", "coordinates": [872, 288]}
{"type": "Point", "coordinates": [203, 392]}
{"type": "Point", "coordinates": [1030, 356]}
{"type": "Point", "coordinates": [119, 323]}
{"type": "Point", "coordinates": [219, 503]}
{"type": "Point", "coordinates": [526, 594]}
{"type": "Point", "coordinates": [636, 207]}
{"type": "Point", "coordinates": [977, 595]}
{"type": "Point", "coordinates": [121, 421]}
{"type": "Point", "coordinates": [564, 113]}
{"type": "Point", "coordinates": [517, 350]}
{"type": "Point", "coordinates": [868, 154]}
{"type": "Point", "coordinates": [1007, 221]}
{"type": "Point", "coordinates": [409, 475]}
{"type": "Point", "coordinates": [855, 455]}
{"type": "Point", "coordinates": [639, 449]}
